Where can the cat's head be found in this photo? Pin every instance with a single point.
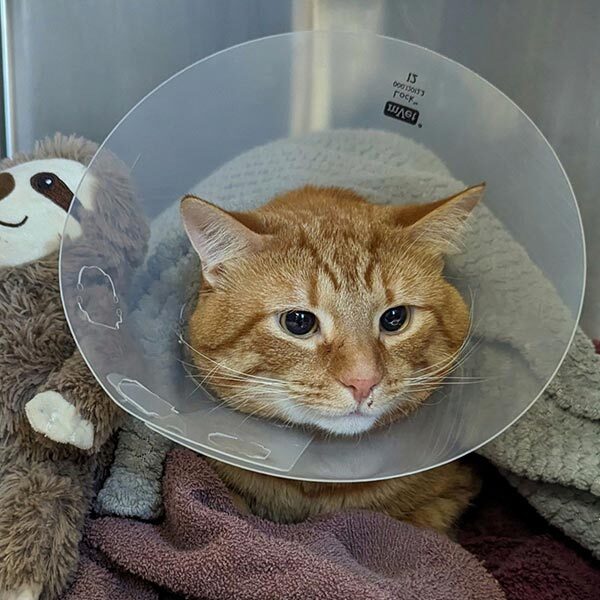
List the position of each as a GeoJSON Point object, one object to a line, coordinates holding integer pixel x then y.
{"type": "Point", "coordinates": [322, 309]}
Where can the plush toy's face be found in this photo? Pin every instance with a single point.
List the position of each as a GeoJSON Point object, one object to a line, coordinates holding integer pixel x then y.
{"type": "Point", "coordinates": [34, 200]}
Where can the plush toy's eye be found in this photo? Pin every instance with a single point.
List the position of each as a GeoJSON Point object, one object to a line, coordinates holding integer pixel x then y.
{"type": "Point", "coordinates": [394, 319]}
{"type": "Point", "coordinates": [300, 323]}
{"type": "Point", "coordinates": [43, 182]}
{"type": "Point", "coordinates": [51, 186]}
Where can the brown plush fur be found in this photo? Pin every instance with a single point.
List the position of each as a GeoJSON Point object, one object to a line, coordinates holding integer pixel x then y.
{"type": "Point", "coordinates": [328, 251]}
{"type": "Point", "coordinates": [46, 487]}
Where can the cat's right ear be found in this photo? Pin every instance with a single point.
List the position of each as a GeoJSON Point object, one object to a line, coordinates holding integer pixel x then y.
{"type": "Point", "coordinates": [216, 235]}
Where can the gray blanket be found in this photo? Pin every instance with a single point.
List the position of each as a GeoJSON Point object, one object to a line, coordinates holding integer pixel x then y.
{"type": "Point", "coordinates": [549, 454]}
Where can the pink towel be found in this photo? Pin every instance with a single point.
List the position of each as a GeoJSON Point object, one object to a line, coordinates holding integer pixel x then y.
{"type": "Point", "coordinates": [206, 549]}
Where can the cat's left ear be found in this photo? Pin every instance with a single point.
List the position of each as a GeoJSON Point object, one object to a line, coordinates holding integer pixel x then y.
{"type": "Point", "coordinates": [216, 235]}
{"type": "Point", "coordinates": [442, 224]}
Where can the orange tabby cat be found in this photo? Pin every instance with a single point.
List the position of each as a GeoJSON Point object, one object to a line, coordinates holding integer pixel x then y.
{"type": "Point", "coordinates": [324, 310]}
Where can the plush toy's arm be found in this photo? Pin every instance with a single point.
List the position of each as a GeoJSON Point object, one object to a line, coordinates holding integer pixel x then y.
{"type": "Point", "coordinates": [72, 408]}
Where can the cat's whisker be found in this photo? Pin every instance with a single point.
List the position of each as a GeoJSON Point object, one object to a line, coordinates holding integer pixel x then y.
{"type": "Point", "coordinates": [465, 378]}
{"type": "Point", "coordinates": [441, 381]}
{"type": "Point", "coordinates": [251, 394]}
{"type": "Point", "coordinates": [224, 380]}
{"type": "Point", "coordinates": [446, 378]}
{"type": "Point", "coordinates": [229, 378]}
{"type": "Point", "coordinates": [430, 402]}
{"type": "Point", "coordinates": [266, 408]}
{"type": "Point", "coordinates": [208, 375]}
{"type": "Point", "coordinates": [413, 393]}
{"type": "Point", "coordinates": [187, 364]}
{"type": "Point", "coordinates": [193, 392]}
{"type": "Point", "coordinates": [225, 367]}
{"type": "Point", "coordinates": [467, 342]}
{"type": "Point", "coordinates": [466, 355]}
{"type": "Point", "coordinates": [219, 405]}
{"type": "Point", "coordinates": [447, 360]}
{"type": "Point", "coordinates": [454, 359]}
{"type": "Point", "coordinates": [234, 377]}
{"type": "Point", "coordinates": [212, 376]}
{"type": "Point", "coordinates": [246, 378]}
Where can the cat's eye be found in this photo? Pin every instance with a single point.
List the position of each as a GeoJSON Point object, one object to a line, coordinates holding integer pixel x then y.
{"type": "Point", "coordinates": [299, 323]}
{"type": "Point", "coordinates": [394, 319]}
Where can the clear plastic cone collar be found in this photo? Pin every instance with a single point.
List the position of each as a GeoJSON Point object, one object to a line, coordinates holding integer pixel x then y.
{"type": "Point", "coordinates": [391, 120]}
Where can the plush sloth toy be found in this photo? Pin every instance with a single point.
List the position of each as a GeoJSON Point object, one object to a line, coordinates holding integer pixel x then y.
{"type": "Point", "coordinates": [55, 420]}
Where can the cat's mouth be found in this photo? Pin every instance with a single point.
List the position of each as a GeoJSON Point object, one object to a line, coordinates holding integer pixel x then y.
{"type": "Point", "coordinates": [356, 413]}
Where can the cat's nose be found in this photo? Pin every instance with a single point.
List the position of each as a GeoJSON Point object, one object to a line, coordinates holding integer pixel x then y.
{"type": "Point", "coordinates": [361, 384]}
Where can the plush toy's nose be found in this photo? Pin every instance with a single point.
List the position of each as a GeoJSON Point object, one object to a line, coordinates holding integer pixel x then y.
{"type": "Point", "coordinates": [7, 184]}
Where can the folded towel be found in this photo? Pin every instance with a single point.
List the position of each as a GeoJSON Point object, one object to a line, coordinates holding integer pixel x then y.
{"type": "Point", "coordinates": [206, 548]}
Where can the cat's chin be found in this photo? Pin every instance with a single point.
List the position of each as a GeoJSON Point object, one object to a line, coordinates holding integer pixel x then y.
{"type": "Point", "coordinates": [346, 425]}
